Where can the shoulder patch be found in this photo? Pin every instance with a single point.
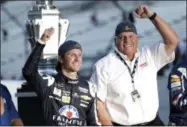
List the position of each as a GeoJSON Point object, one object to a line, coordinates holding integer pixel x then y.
{"type": "Point", "coordinates": [49, 79]}
{"type": "Point", "coordinates": [175, 84]}
{"type": "Point", "coordinates": [92, 89]}
{"type": "Point", "coordinates": [175, 78]}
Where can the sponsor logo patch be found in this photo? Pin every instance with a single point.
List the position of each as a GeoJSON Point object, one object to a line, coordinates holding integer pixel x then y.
{"type": "Point", "coordinates": [83, 101]}
{"type": "Point", "coordinates": [183, 71]}
{"type": "Point", "coordinates": [176, 88]}
{"type": "Point", "coordinates": [175, 84]}
{"type": "Point", "coordinates": [85, 97]}
{"type": "Point", "coordinates": [73, 82]}
{"type": "Point", "coordinates": [57, 91]}
{"type": "Point", "coordinates": [175, 78]}
{"type": "Point", "coordinates": [127, 28]}
{"type": "Point", "coordinates": [64, 121]}
{"type": "Point", "coordinates": [66, 99]}
{"type": "Point", "coordinates": [176, 99]}
{"type": "Point", "coordinates": [83, 105]}
{"type": "Point", "coordinates": [75, 95]}
{"type": "Point", "coordinates": [50, 80]}
{"type": "Point", "coordinates": [84, 90]}
{"type": "Point", "coordinates": [143, 65]}
{"type": "Point", "coordinates": [66, 92]}
{"type": "Point", "coordinates": [69, 111]}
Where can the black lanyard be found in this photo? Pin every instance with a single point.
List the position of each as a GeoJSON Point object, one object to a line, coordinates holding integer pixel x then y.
{"type": "Point", "coordinates": [134, 68]}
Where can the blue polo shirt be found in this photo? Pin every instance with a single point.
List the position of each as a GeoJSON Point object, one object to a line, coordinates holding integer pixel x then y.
{"type": "Point", "coordinates": [9, 108]}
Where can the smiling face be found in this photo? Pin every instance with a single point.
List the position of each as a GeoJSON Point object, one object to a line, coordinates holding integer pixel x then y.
{"type": "Point", "coordinates": [72, 60]}
{"type": "Point", "coordinates": [127, 43]}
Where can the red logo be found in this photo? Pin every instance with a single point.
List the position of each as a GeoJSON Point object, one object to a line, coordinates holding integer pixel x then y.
{"type": "Point", "coordinates": [69, 114]}
{"type": "Point", "coordinates": [69, 111]}
{"type": "Point", "coordinates": [143, 65]}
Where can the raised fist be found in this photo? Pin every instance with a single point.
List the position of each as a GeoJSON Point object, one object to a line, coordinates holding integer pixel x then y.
{"type": "Point", "coordinates": [143, 11]}
{"type": "Point", "coordinates": [47, 34]}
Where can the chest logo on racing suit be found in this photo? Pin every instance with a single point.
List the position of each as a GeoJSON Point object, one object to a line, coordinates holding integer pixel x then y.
{"type": "Point", "coordinates": [85, 97]}
{"type": "Point", "coordinates": [57, 91]}
{"type": "Point", "coordinates": [69, 111]}
{"type": "Point", "coordinates": [175, 78]}
{"type": "Point", "coordinates": [84, 90]}
{"type": "Point", "coordinates": [66, 99]}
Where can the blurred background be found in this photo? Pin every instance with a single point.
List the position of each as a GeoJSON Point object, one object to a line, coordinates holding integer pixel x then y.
{"type": "Point", "coordinates": [92, 23]}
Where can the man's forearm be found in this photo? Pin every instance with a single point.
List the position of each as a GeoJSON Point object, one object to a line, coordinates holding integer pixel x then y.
{"type": "Point", "coordinates": [31, 65]}
{"type": "Point", "coordinates": [105, 120]}
{"type": "Point", "coordinates": [168, 34]}
{"type": "Point", "coordinates": [103, 115]}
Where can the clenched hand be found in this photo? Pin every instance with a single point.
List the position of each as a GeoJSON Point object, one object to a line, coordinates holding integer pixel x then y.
{"type": "Point", "coordinates": [143, 11]}
{"type": "Point", "coordinates": [47, 34]}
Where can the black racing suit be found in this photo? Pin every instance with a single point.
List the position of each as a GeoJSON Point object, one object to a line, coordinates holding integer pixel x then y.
{"type": "Point", "coordinates": [65, 101]}
{"type": "Point", "coordinates": [177, 85]}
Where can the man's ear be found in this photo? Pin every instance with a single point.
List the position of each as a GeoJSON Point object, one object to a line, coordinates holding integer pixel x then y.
{"type": "Point", "coordinates": [60, 59]}
{"type": "Point", "coordinates": [115, 42]}
{"type": "Point", "coordinates": [137, 37]}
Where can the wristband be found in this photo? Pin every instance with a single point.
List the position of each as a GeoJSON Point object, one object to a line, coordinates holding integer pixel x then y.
{"type": "Point", "coordinates": [41, 42]}
{"type": "Point", "coordinates": [153, 16]}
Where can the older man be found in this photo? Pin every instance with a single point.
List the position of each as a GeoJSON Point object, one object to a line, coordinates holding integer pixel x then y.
{"type": "Point", "coordinates": [127, 77]}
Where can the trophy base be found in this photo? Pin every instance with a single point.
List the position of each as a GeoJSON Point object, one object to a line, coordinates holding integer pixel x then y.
{"type": "Point", "coordinates": [49, 56]}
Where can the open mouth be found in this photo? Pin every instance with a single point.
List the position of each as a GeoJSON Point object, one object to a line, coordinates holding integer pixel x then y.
{"type": "Point", "coordinates": [127, 45]}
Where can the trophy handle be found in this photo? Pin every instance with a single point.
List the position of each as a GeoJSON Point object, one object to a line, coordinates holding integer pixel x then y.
{"type": "Point", "coordinates": [38, 23]}
{"type": "Point", "coordinates": [63, 28]}
{"type": "Point", "coordinates": [32, 27]}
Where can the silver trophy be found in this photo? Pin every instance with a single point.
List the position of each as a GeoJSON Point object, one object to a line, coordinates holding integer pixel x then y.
{"type": "Point", "coordinates": [44, 15]}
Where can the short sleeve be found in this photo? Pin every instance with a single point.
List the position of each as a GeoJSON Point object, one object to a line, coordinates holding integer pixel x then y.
{"type": "Point", "coordinates": [13, 112]}
{"type": "Point", "coordinates": [11, 107]}
{"type": "Point", "coordinates": [99, 77]}
{"type": "Point", "coordinates": [159, 55]}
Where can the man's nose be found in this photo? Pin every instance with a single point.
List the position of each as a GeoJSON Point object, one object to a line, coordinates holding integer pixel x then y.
{"type": "Point", "coordinates": [127, 39]}
{"type": "Point", "coordinates": [77, 58]}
